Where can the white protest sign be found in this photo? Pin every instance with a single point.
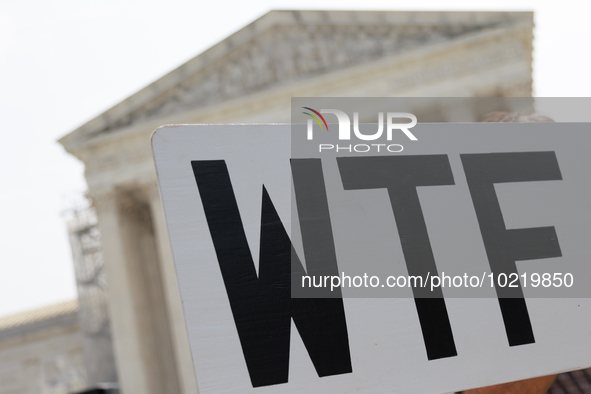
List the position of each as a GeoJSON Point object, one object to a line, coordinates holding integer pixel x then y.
{"type": "Point", "coordinates": [495, 207]}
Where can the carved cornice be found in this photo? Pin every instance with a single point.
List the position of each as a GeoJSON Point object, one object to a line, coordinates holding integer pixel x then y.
{"type": "Point", "coordinates": [286, 46]}
{"type": "Point", "coordinates": [285, 54]}
{"type": "Point", "coordinates": [113, 158]}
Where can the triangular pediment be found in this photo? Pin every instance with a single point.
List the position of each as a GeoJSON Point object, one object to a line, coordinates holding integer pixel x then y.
{"type": "Point", "coordinates": [283, 47]}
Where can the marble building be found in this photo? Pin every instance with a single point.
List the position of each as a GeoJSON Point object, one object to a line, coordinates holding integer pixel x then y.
{"type": "Point", "coordinates": [250, 77]}
{"type": "Point", "coordinates": [41, 351]}
{"type": "Point", "coordinates": [64, 348]}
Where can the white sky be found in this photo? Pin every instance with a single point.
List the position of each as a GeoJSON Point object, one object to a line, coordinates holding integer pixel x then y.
{"type": "Point", "coordinates": [66, 61]}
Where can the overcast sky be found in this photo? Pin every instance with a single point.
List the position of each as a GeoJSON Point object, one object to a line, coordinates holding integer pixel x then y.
{"type": "Point", "coordinates": [65, 61]}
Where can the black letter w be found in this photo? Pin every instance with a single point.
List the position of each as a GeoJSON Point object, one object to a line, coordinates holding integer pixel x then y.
{"type": "Point", "coordinates": [262, 306]}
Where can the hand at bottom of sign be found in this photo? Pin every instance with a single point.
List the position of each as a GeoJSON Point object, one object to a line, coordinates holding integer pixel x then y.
{"type": "Point", "coordinates": [528, 386]}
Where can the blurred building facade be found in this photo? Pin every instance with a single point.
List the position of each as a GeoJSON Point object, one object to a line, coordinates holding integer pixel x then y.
{"type": "Point", "coordinates": [93, 315]}
{"type": "Point", "coordinates": [66, 347]}
{"type": "Point", "coordinates": [41, 351]}
{"type": "Point", "coordinates": [250, 77]}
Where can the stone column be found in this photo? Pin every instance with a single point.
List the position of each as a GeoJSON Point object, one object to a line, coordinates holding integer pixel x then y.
{"type": "Point", "coordinates": [142, 337]}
